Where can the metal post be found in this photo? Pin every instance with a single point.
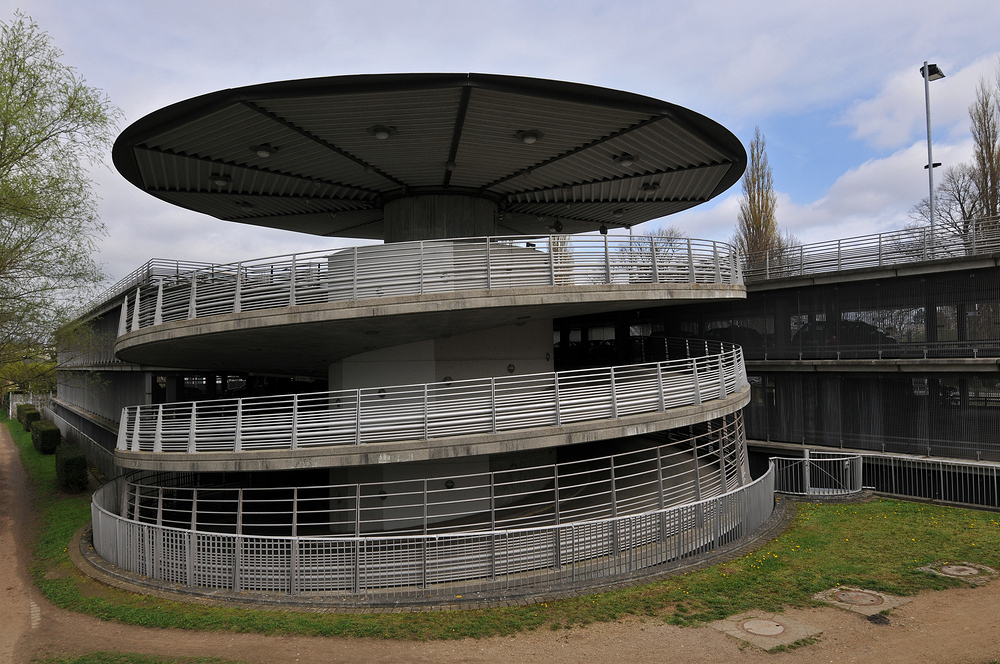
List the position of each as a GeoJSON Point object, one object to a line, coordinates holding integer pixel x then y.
{"type": "Point", "coordinates": [614, 396]}
{"type": "Point", "coordinates": [135, 311]}
{"type": "Point", "coordinates": [692, 278]}
{"type": "Point", "coordinates": [158, 312]}
{"type": "Point", "coordinates": [558, 409]}
{"type": "Point", "coordinates": [238, 441]}
{"type": "Point", "coordinates": [806, 484]}
{"type": "Point", "coordinates": [493, 401]}
{"type": "Point", "coordinates": [291, 285]}
{"type": "Point", "coordinates": [426, 417]}
{"type": "Point", "coordinates": [123, 319]}
{"type": "Point", "coordinates": [552, 261]}
{"type": "Point", "coordinates": [489, 267]}
{"type": "Point", "coordinates": [123, 430]}
{"type": "Point", "coordinates": [295, 422]}
{"type": "Point", "coordinates": [718, 267]}
{"type": "Point", "coordinates": [192, 440]}
{"type": "Point", "coordinates": [659, 386]}
{"type": "Point", "coordinates": [357, 418]}
{"type": "Point", "coordinates": [238, 296]}
{"type": "Point", "coordinates": [158, 434]}
{"type": "Point", "coordinates": [193, 299]}
{"type": "Point", "coordinates": [652, 253]}
{"type": "Point", "coordinates": [607, 260]}
{"type": "Point", "coordinates": [135, 428]}
{"type": "Point", "coordinates": [695, 388]}
{"type": "Point", "coordinates": [354, 278]}
{"type": "Point", "coordinates": [925, 70]}
{"type": "Point", "coordinates": [420, 281]}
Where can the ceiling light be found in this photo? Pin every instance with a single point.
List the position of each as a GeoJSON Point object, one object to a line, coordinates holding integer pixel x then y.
{"type": "Point", "coordinates": [263, 151]}
{"type": "Point", "coordinates": [529, 137]}
{"type": "Point", "coordinates": [619, 212]}
{"type": "Point", "coordinates": [369, 169]}
{"type": "Point", "coordinates": [624, 159]}
{"type": "Point", "coordinates": [246, 207]}
{"type": "Point", "coordinates": [450, 166]}
{"type": "Point", "coordinates": [382, 132]}
{"type": "Point", "coordinates": [333, 214]}
{"type": "Point", "coordinates": [220, 180]}
{"type": "Point", "coordinates": [557, 227]}
{"type": "Point", "coordinates": [650, 187]}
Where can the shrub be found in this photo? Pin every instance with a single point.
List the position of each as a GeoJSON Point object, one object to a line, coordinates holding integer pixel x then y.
{"type": "Point", "coordinates": [21, 407]}
{"type": "Point", "coordinates": [31, 415]}
{"type": "Point", "coordinates": [45, 436]}
{"type": "Point", "coordinates": [71, 468]}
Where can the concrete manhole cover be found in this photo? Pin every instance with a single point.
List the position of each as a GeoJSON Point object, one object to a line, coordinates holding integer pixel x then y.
{"type": "Point", "coordinates": [761, 627]}
{"type": "Point", "coordinates": [860, 600]}
{"type": "Point", "coordinates": [966, 571]}
{"type": "Point", "coordinates": [958, 570]}
{"type": "Point", "coordinates": [857, 598]}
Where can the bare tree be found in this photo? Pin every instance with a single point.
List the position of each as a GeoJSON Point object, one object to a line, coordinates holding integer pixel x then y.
{"type": "Point", "coordinates": [757, 225]}
{"type": "Point", "coordinates": [984, 116]}
{"type": "Point", "coordinates": [957, 201]}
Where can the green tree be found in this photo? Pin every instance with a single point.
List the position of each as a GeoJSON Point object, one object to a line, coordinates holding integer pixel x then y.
{"type": "Point", "coordinates": [53, 127]}
{"type": "Point", "coordinates": [757, 224]}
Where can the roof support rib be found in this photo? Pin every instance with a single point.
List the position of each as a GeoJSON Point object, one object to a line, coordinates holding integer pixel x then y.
{"type": "Point", "coordinates": [577, 150]}
{"type": "Point", "coordinates": [319, 141]}
{"type": "Point", "coordinates": [456, 137]}
{"type": "Point", "coordinates": [258, 169]}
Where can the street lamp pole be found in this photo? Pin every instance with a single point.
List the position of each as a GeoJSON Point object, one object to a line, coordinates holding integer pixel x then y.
{"type": "Point", "coordinates": [930, 72]}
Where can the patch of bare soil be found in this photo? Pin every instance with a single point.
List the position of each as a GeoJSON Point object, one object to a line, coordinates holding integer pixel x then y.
{"type": "Point", "coordinates": [958, 625]}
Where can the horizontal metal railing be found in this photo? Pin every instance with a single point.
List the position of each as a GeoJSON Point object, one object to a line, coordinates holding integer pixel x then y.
{"type": "Point", "coordinates": [690, 466]}
{"type": "Point", "coordinates": [164, 291]}
{"type": "Point", "coordinates": [921, 350]}
{"type": "Point", "coordinates": [947, 480]}
{"type": "Point", "coordinates": [909, 245]}
{"type": "Point", "coordinates": [818, 474]}
{"type": "Point", "coordinates": [451, 563]}
{"type": "Point", "coordinates": [433, 410]}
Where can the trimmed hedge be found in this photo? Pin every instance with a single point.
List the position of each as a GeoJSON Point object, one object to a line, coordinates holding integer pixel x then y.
{"type": "Point", "coordinates": [71, 468]}
{"type": "Point", "coordinates": [31, 415]}
{"type": "Point", "coordinates": [20, 408]}
{"type": "Point", "coordinates": [45, 436]}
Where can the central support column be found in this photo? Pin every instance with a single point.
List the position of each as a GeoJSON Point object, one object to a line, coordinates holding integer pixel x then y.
{"type": "Point", "coordinates": [438, 216]}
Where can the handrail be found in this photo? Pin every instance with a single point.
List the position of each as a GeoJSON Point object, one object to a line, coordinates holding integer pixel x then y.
{"type": "Point", "coordinates": [450, 563]}
{"type": "Point", "coordinates": [629, 482]}
{"type": "Point", "coordinates": [165, 291]}
{"type": "Point", "coordinates": [435, 410]}
{"type": "Point", "coordinates": [909, 245]}
{"type": "Point", "coordinates": [818, 474]}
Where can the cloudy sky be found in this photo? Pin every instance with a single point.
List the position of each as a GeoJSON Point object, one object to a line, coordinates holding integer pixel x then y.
{"type": "Point", "coordinates": [834, 87]}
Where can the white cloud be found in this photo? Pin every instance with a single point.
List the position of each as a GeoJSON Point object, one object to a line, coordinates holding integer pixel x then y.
{"type": "Point", "coordinates": [898, 112]}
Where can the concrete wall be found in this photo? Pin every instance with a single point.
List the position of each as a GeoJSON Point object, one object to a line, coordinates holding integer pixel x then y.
{"type": "Point", "coordinates": [478, 354]}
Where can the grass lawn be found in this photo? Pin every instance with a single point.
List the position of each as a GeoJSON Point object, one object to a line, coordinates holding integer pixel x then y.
{"type": "Point", "coordinates": [875, 545]}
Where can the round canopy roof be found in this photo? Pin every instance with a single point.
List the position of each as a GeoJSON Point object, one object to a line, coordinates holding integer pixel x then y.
{"type": "Point", "coordinates": [324, 155]}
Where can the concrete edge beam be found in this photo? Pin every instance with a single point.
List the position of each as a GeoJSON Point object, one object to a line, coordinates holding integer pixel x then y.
{"type": "Point", "coordinates": [437, 448]}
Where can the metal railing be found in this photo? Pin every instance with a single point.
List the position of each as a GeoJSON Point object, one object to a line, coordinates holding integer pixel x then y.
{"type": "Point", "coordinates": [818, 474]}
{"type": "Point", "coordinates": [450, 563]}
{"type": "Point", "coordinates": [689, 467]}
{"type": "Point", "coordinates": [960, 482]}
{"type": "Point", "coordinates": [909, 245]}
{"type": "Point", "coordinates": [167, 291]}
{"type": "Point", "coordinates": [434, 410]}
{"type": "Point", "coordinates": [921, 350]}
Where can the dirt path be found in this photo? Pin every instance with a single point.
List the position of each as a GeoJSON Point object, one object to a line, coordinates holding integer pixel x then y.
{"type": "Point", "coordinates": [958, 626]}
